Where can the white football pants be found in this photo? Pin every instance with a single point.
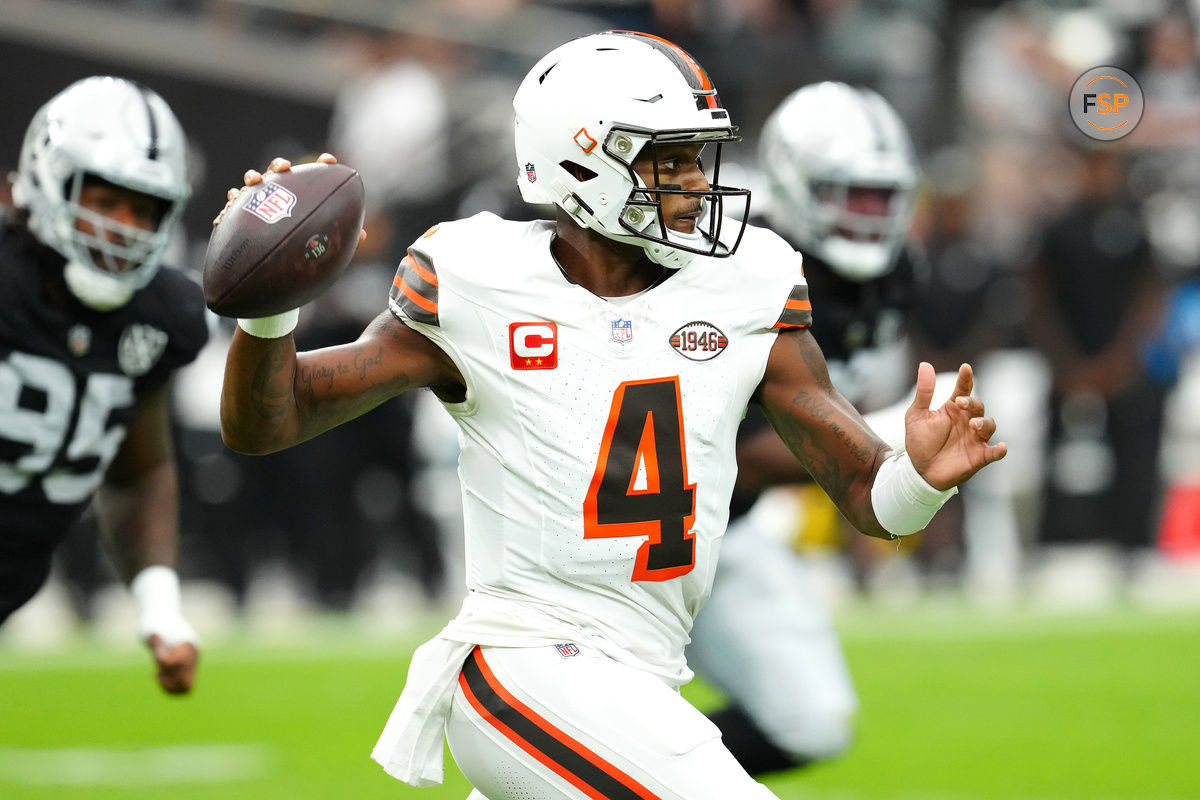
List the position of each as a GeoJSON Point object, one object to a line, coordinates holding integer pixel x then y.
{"type": "Point", "coordinates": [565, 723]}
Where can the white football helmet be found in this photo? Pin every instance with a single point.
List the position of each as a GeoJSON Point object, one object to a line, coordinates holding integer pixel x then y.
{"type": "Point", "coordinates": [584, 113]}
{"type": "Point", "coordinates": [824, 147]}
{"type": "Point", "coordinates": [123, 133]}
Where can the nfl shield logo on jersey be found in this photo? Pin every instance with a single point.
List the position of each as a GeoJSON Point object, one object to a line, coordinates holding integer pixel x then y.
{"type": "Point", "coordinates": [567, 649]}
{"type": "Point", "coordinates": [622, 330]}
{"type": "Point", "coordinates": [530, 172]}
{"type": "Point", "coordinates": [271, 203]}
{"type": "Point", "coordinates": [79, 340]}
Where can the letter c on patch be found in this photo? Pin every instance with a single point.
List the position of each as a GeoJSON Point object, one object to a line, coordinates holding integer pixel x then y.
{"type": "Point", "coordinates": [533, 345]}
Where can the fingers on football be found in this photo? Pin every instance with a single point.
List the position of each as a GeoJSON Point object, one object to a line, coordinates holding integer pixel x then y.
{"type": "Point", "coordinates": [230, 196]}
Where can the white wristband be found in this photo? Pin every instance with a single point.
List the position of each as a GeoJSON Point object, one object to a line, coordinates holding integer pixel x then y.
{"type": "Point", "coordinates": [272, 327]}
{"type": "Point", "coordinates": [903, 502]}
{"type": "Point", "coordinates": [157, 599]}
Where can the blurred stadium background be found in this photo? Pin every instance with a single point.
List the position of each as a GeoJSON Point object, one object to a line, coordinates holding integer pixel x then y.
{"type": "Point", "coordinates": [1034, 643]}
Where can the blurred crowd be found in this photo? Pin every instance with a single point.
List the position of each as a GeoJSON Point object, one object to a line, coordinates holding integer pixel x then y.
{"type": "Point", "coordinates": [1066, 270]}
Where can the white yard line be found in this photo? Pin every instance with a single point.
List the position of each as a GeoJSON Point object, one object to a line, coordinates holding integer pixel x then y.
{"type": "Point", "coordinates": [135, 768]}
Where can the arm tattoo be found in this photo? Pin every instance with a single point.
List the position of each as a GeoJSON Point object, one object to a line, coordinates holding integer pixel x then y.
{"type": "Point", "coordinates": [270, 399]}
{"type": "Point", "coordinates": [348, 386]}
{"type": "Point", "coordinates": [824, 412]}
{"type": "Point", "coordinates": [820, 463]}
{"type": "Point", "coordinates": [814, 410]}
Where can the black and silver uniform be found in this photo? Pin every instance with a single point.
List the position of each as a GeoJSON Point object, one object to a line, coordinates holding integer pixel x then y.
{"type": "Point", "coordinates": [70, 378]}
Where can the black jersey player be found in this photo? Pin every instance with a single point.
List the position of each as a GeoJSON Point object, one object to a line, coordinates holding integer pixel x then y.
{"type": "Point", "coordinates": [91, 329]}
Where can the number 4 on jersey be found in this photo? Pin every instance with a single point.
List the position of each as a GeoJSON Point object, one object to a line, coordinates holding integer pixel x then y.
{"type": "Point", "coordinates": [640, 487]}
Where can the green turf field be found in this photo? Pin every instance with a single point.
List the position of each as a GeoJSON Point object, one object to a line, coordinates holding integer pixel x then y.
{"type": "Point", "coordinates": [956, 706]}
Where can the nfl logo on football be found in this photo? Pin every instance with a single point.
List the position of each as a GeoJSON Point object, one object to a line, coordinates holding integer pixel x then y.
{"type": "Point", "coordinates": [271, 203]}
{"type": "Point", "coordinates": [622, 330]}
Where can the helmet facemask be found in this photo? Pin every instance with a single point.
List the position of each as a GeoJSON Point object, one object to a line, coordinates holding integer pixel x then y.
{"type": "Point", "coordinates": [642, 215]}
{"type": "Point", "coordinates": [108, 260]}
{"type": "Point", "coordinates": [843, 177]}
{"type": "Point", "coordinates": [861, 242]}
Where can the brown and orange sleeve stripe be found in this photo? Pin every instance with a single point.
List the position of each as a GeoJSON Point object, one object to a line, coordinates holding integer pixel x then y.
{"type": "Point", "coordinates": [415, 288]}
{"type": "Point", "coordinates": [797, 310]}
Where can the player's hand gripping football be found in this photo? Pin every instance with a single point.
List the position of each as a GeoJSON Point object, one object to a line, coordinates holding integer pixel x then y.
{"type": "Point", "coordinates": [253, 176]}
{"type": "Point", "coordinates": [948, 445]}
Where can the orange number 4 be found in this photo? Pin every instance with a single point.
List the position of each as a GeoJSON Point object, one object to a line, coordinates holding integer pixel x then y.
{"type": "Point", "coordinates": [640, 487]}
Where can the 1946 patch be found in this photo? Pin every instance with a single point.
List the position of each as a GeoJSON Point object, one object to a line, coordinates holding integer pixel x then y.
{"type": "Point", "coordinates": [699, 341]}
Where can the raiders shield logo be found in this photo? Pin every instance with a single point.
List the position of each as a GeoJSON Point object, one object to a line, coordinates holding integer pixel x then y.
{"type": "Point", "coordinates": [139, 349]}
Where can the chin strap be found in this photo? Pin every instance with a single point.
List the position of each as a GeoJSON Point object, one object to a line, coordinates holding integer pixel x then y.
{"type": "Point", "coordinates": [95, 289]}
{"type": "Point", "coordinates": [667, 256]}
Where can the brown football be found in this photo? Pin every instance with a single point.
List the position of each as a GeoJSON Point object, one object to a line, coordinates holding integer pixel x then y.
{"type": "Point", "coordinates": [284, 241]}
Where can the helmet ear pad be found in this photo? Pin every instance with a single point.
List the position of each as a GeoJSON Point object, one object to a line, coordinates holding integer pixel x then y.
{"type": "Point", "coordinates": [119, 132]}
{"type": "Point", "coordinates": [585, 112]}
{"type": "Point", "coordinates": [826, 146]}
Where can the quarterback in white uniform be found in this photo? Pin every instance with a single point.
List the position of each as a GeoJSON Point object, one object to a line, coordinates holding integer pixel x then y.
{"type": "Point", "coordinates": [604, 416]}
{"type": "Point", "coordinates": [597, 367]}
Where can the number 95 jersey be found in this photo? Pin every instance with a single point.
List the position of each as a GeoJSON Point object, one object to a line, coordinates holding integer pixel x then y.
{"type": "Point", "coordinates": [597, 435]}
{"type": "Point", "coordinates": [70, 379]}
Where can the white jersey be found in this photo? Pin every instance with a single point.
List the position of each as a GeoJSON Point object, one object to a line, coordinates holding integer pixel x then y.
{"type": "Point", "coordinates": [597, 436]}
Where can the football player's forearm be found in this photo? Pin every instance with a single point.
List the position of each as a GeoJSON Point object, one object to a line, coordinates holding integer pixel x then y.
{"type": "Point", "coordinates": [257, 398]}
{"type": "Point", "coordinates": [840, 453]}
{"type": "Point", "coordinates": [821, 428]}
{"type": "Point", "coordinates": [275, 398]}
{"type": "Point", "coordinates": [139, 520]}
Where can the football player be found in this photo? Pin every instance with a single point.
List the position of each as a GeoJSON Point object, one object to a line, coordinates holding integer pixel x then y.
{"type": "Point", "coordinates": [597, 365]}
{"type": "Point", "coordinates": [91, 332]}
{"type": "Point", "coordinates": [842, 177]}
